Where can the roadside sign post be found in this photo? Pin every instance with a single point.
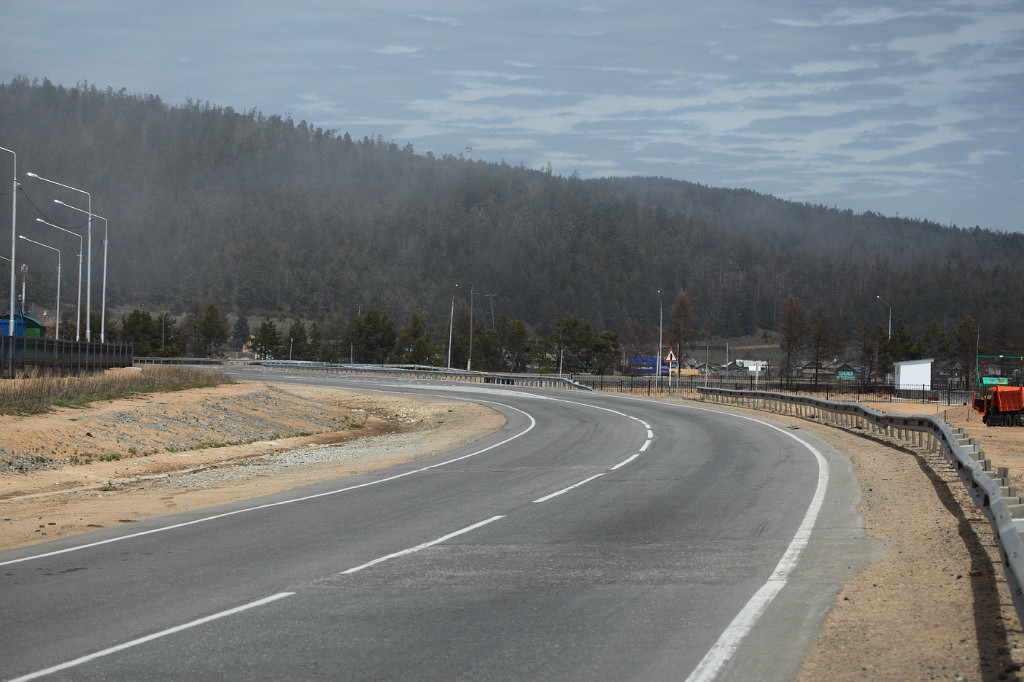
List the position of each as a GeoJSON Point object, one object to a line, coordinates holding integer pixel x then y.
{"type": "Point", "coordinates": [670, 359]}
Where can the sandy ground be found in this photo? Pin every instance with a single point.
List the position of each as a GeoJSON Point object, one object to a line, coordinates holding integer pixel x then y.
{"type": "Point", "coordinates": [936, 608]}
{"type": "Point", "coordinates": [128, 459]}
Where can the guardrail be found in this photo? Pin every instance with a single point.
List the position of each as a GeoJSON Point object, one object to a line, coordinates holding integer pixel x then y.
{"type": "Point", "coordinates": [422, 372]}
{"type": "Point", "coordinates": [990, 489]}
{"type": "Point", "coordinates": [831, 389]}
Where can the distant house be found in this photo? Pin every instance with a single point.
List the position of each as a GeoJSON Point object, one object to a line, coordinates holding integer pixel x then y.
{"type": "Point", "coordinates": [829, 370]}
{"type": "Point", "coordinates": [5, 316]}
{"type": "Point", "coordinates": [34, 328]}
{"type": "Point", "coordinates": [809, 369]}
{"type": "Point", "coordinates": [949, 375]}
{"type": "Point", "coordinates": [914, 374]}
{"type": "Point", "coordinates": [642, 365]}
{"type": "Point", "coordinates": [846, 372]}
{"type": "Point", "coordinates": [24, 325]}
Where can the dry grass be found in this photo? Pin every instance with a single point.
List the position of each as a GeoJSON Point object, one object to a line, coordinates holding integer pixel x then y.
{"type": "Point", "coordinates": [37, 394]}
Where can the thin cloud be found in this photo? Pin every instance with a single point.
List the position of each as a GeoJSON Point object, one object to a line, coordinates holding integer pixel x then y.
{"type": "Point", "coordinates": [397, 50]}
{"type": "Point", "coordinates": [446, 21]}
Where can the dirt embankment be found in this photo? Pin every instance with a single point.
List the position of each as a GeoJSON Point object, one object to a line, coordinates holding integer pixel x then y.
{"type": "Point", "coordinates": [76, 469]}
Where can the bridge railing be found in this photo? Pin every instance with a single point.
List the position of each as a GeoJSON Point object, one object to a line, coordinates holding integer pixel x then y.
{"type": "Point", "coordinates": [990, 489]}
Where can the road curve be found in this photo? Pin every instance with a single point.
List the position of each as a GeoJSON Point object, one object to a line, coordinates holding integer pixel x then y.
{"type": "Point", "coordinates": [592, 538]}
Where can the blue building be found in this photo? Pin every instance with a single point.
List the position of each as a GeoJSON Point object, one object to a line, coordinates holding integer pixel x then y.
{"type": "Point", "coordinates": [24, 325]}
{"type": "Point", "coordinates": [645, 365]}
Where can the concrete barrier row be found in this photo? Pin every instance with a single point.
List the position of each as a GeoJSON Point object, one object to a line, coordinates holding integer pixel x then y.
{"type": "Point", "coordinates": [990, 488]}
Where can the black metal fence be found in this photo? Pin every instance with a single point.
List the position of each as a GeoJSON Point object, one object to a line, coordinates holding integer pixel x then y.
{"type": "Point", "coordinates": [21, 354]}
{"type": "Point", "coordinates": [848, 391]}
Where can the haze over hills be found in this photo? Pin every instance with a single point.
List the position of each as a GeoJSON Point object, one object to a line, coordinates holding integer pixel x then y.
{"type": "Point", "coordinates": [265, 216]}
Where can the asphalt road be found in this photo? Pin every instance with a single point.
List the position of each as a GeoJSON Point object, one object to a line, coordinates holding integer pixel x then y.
{"type": "Point", "coordinates": [593, 538]}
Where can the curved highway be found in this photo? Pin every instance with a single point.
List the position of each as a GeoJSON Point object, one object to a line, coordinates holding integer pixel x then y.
{"type": "Point", "coordinates": [594, 537]}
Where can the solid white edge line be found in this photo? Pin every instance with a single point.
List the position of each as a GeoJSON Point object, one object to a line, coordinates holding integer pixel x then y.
{"type": "Point", "coordinates": [625, 461]}
{"type": "Point", "coordinates": [722, 651]}
{"type": "Point", "coordinates": [205, 519]}
{"type": "Point", "coordinates": [565, 490]}
{"type": "Point", "coordinates": [423, 546]}
{"type": "Point", "coordinates": [149, 638]}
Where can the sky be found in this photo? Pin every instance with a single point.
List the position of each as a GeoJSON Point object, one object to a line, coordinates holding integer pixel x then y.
{"type": "Point", "coordinates": [906, 108]}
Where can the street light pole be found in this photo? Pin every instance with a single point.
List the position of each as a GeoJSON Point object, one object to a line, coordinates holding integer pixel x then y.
{"type": "Point", "coordinates": [451, 327]}
{"type": "Point", "coordinates": [890, 314]}
{"type": "Point", "coordinates": [103, 303]}
{"type": "Point", "coordinates": [14, 240]}
{"type": "Point", "coordinates": [78, 308]}
{"type": "Point", "coordinates": [661, 324]}
{"type": "Point", "coordinates": [88, 249]}
{"type": "Point", "coordinates": [469, 364]}
{"type": "Point", "coordinates": [56, 329]}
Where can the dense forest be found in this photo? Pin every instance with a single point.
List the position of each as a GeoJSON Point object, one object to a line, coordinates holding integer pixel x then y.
{"type": "Point", "coordinates": [266, 217]}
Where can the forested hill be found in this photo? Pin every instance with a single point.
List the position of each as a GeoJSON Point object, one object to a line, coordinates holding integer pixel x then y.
{"type": "Point", "coordinates": [262, 215]}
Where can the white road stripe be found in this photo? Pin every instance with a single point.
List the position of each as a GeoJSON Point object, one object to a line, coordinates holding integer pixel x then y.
{"type": "Point", "coordinates": [625, 461]}
{"type": "Point", "coordinates": [565, 490]}
{"type": "Point", "coordinates": [417, 548]}
{"type": "Point", "coordinates": [149, 638]}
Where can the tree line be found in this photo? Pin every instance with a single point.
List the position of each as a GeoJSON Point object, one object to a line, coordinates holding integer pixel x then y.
{"type": "Point", "coordinates": [571, 345]}
{"type": "Point", "coordinates": [271, 219]}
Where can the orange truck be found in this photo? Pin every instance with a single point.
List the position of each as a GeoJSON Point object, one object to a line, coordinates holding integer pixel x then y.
{"type": "Point", "coordinates": [1000, 405]}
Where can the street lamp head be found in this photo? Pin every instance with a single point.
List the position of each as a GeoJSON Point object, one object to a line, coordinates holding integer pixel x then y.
{"type": "Point", "coordinates": [32, 175]}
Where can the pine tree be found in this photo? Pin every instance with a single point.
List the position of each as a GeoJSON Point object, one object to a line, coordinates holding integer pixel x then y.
{"type": "Point", "coordinates": [240, 333]}
{"type": "Point", "coordinates": [266, 342]}
{"type": "Point", "coordinates": [212, 330]}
